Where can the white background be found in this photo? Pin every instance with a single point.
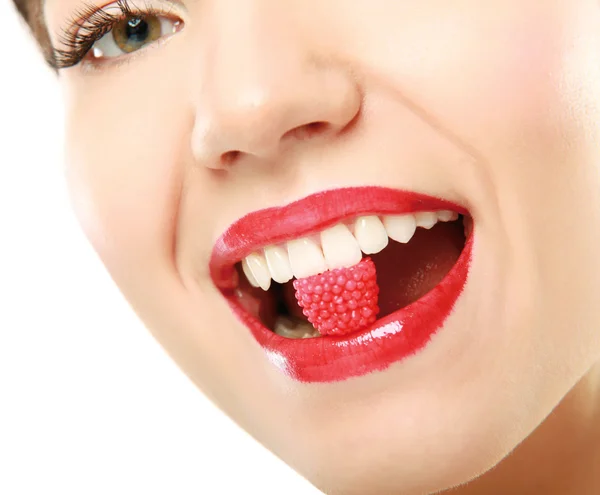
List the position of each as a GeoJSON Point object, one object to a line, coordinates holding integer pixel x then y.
{"type": "Point", "coordinates": [89, 403]}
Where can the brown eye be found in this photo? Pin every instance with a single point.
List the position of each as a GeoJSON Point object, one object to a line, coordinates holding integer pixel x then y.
{"type": "Point", "coordinates": [133, 33]}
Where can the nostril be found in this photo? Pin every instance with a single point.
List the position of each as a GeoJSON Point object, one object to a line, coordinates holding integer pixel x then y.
{"type": "Point", "coordinates": [229, 157]}
{"type": "Point", "coordinates": [308, 130]}
{"type": "Point", "coordinates": [299, 133]}
{"type": "Point", "coordinates": [317, 126]}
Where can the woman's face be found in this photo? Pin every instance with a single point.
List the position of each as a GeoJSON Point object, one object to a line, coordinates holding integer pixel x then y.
{"type": "Point", "coordinates": [246, 105]}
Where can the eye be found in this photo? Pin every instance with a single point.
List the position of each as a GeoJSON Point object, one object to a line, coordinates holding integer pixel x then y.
{"type": "Point", "coordinates": [133, 33]}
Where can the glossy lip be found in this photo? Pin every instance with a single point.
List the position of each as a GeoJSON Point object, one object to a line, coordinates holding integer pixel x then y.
{"type": "Point", "coordinates": [388, 340]}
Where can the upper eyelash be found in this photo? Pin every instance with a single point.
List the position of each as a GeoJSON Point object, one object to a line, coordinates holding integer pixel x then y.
{"type": "Point", "coordinates": [89, 24]}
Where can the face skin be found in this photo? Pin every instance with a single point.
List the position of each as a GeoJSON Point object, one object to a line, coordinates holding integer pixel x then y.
{"type": "Point", "coordinates": [492, 105]}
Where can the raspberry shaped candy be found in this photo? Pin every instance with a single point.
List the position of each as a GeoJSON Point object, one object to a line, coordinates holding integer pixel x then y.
{"type": "Point", "coordinates": [340, 301]}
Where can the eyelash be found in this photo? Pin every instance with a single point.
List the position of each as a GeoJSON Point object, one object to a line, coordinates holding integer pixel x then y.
{"type": "Point", "coordinates": [89, 25]}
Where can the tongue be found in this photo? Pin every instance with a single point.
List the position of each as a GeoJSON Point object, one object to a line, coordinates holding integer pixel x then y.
{"type": "Point", "coordinates": [406, 272]}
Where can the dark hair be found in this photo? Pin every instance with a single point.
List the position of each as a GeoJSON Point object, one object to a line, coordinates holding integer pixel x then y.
{"type": "Point", "coordinates": [31, 11]}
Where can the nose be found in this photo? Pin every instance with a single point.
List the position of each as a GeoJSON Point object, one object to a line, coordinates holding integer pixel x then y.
{"type": "Point", "coordinates": [264, 88]}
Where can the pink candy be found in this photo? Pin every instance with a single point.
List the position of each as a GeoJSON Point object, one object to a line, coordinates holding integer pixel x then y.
{"type": "Point", "coordinates": [340, 301]}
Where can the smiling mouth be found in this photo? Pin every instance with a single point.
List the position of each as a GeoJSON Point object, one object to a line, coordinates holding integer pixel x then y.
{"type": "Point", "coordinates": [420, 247]}
{"type": "Point", "coordinates": [412, 253]}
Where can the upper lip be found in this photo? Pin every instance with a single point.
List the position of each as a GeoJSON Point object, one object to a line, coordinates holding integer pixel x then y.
{"type": "Point", "coordinates": [308, 215]}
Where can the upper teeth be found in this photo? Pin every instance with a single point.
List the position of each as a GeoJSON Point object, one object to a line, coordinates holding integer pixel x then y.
{"type": "Point", "coordinates": [336, 247]}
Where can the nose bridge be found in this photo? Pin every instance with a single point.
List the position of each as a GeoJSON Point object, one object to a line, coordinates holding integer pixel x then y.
{"type": "Point", "coordinates": [256, 44]}
{"type": "Point", "coordinates": [261, 81]}
{"type": "Point", "coordinates": [252, 79]}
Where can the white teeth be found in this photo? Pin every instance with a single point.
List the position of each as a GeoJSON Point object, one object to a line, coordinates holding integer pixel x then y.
{"type": "Point", "coordinates": [340, 247]}
{"type": "Point", "coordinates": [278, 262]}
{"type": "Point", "coordinates": [306, 257]}
{"type": "Point", "coordinates": [370, 234]}
{"type": "Point", "coordinates": [447, 216]}
{"type": "Point", "coordinates": [401, 228]}
{"type": "Point", "coordinates": [248, 273]}
{"type": "Point", "coordinates": [426, 219]}
{"type": "Point", "coordinates": [257, 265]}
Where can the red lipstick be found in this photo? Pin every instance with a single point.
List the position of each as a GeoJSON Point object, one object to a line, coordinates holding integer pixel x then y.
{"type": "Point", "coordinates": [389, 339]}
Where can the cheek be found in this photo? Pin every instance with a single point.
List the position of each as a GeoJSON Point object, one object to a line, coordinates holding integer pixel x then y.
{"type": "Point", "coordinates": [124, 171]}
{"type": "Point", "coordinates": [483, 74]}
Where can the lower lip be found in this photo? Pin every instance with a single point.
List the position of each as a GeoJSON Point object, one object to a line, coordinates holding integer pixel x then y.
{"type": "Point", "coordinates": [390, 340]}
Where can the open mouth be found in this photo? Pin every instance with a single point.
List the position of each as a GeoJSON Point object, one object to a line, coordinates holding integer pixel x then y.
{"type": "Point", "coordinates": [347, 281]}
{"type": "Point", "coordinates": [412, 253]}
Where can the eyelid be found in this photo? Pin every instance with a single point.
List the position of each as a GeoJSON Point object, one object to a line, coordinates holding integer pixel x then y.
{"type": "Point", "coordinates": [89, 10]}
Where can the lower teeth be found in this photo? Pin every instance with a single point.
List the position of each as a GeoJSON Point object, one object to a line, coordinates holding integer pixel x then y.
{"type": "Point", "coordinates": [294, 328]}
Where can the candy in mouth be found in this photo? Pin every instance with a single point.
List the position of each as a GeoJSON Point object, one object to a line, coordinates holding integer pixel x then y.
{"type": "Point", "coordinates": [340, 301]}
{"type": "Point", "coordinates": [421, 247]}
{"type": "Point", "coordinates": [301, 304]}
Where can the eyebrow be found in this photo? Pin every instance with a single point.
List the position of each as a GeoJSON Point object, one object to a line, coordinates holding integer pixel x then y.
{"type": "Point", "coordinates": [33, 13]}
